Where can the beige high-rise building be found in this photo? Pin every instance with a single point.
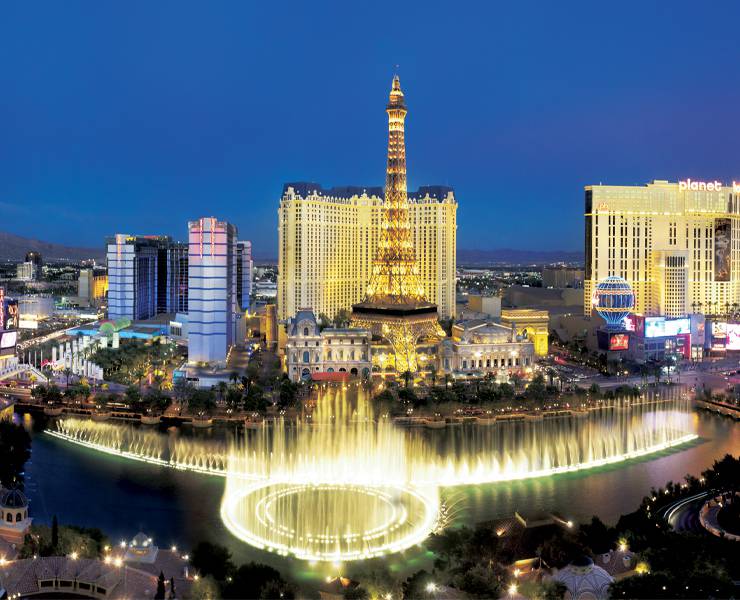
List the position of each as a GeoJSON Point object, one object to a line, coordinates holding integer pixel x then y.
{"type": "Point", "coordinates": [328, 239]}
{"type": "Point", "coordinates": [677, 244]}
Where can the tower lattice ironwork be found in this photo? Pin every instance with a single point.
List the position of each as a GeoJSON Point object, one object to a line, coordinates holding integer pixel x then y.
{"type": "Point", "coordinates": [395, 307]}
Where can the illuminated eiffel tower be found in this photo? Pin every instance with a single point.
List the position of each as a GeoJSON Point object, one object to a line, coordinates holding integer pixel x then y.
{"type": "Point", "coordinates": [395, 308]}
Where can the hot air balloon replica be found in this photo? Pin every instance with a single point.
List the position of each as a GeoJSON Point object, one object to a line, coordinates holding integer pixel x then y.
{"type": "Point", "coordinates": [613, 300]}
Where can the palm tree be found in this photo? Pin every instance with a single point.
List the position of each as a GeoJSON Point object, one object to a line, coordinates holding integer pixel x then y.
{"type": "Point", "coordinates": [516, 379]}
{"type": "Point", "coordinates": [139, 371]}
{"type": "Point", "coordinates": [67, 373]}
{"type": "Point", "coordinates": [221, 388]}
{"type": "Point", "coordinates": [433, 374]}
{"type": "Point", "coordinates": [246, 383]}
{"type": "Point", "coordinates": [406, 376]}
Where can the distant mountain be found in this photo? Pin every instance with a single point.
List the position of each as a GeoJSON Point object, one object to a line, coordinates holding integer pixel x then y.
{"type": "Point", "coordinates": [518, 257]}
{"type": "Point", "coordinates": [14, 247]}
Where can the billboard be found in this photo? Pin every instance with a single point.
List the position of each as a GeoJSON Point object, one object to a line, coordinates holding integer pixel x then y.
{"type": "Point", "coordinates": [635, 323]}
{"type": "Point", "coordinates": [719, 335]}
{"type": "Point", "coordinates": [697, 329]}
{"type": "Point", "coordinates": [8, 340]}
{"type": "Point", "coordinates": [12, 314]}
{"type": "Point", "coordinates": [2, 308]}
{"type": "Point", "coordinates": [722, 247]}
{"type": "Point", "coordinates": [619, 341]}
{"type": "Point", "coordinates": [719, 329]}
{"type": "Point", "coordinates": [662, 327]}
{"type": "Point", "coordinates": [683, 345]}
{"type": "Point", "coordinates": [733, 336]}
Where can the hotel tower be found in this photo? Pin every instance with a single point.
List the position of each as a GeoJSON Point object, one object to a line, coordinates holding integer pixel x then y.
{"type": "Point", "coordinates": [677, 244]}
{"type": "Point", "coordinates": [212, 286]}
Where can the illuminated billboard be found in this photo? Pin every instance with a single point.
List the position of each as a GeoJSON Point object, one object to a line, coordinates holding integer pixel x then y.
{"type": "Point", "coordinates": [733, 336]}
{"type": "Point", "coordinates": [635, 323]}
{"type": "Point", "coordinates": [619, 341]}
{"type": "Point", "coordinates": [697, 329]}
{"type": "Point", "coordinates": [662, 327]}
{"type": "Point", "coordinates": [8, 340]}
{"type": "Point", "coordinates": [719, 329]}
{"type": "Point", "coordinates": [2, 308]}
{"type": "Point", "coordinates": [719, 335]}
{"type": "Point", "coordinates": [12, 314]}
{"type": "Point", "coordinates": [683, 345]}
{"type": "Point", "coordinates": [677, 326]}
{"type": "Point", "coordinates": [722, 247]}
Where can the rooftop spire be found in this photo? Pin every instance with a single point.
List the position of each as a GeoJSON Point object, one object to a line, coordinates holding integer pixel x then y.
{"type": "Point", "coordinates": [396, 96]}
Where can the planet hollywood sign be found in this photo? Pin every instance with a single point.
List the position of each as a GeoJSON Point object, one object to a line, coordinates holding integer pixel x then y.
{"type": "Point", "coordinates": [708, 186]}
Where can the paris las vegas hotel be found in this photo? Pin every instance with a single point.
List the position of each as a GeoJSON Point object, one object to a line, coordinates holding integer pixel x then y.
{"type": "Point", "coordinates": [677, 244]}
{"type": "Point", "coordinates": [328, 238]}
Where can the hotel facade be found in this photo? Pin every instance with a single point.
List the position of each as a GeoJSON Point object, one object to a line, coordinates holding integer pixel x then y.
{"type": "Point", "coordinates": [677, 244]}
{"type": "Point", "coordinates": [212, 306]}
{"type": "Point", "coordinates": [147, 275]}
{"type": "Point", "coordinates": [328, 239]}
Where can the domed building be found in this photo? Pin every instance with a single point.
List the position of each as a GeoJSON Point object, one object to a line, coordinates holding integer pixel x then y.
{"type": "Point", "coordinates": [480, 346]}
{"type": "Point", "coordinates": [584, 580]}
{"type": "Point", "coordinates": [14, 520]}
{"type": "Point", "coordinates": [141, 549]}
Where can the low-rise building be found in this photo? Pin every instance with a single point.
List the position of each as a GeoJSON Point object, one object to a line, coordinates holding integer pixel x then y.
{"type": "Point", "coordinates": [310, 350]}
{"type": "Point", "coordinates": [490, 306]}
{"type": "Point", "coordinates": [562, 277]}
{"type": "Point", "coordinates": [92, 286]}
{"type": "Point", "coordinates": [530, 324]}
{"type": "Point", "coordinates": [26, 271]}
{"type": "Point", "coordinates": [479, 347]}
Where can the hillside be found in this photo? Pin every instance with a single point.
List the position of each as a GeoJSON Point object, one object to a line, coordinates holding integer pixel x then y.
{"type": "Point", "coordinates": [513, 256]}
{"type": "Point", "coordinates": [14, 248]}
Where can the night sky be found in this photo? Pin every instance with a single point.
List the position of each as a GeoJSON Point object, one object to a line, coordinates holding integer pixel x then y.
{"type": "Point", "coordinates": [137, 116]}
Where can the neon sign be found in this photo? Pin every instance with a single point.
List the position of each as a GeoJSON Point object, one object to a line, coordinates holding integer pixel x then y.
{"type": "Point", "coordinates": [694, 186]}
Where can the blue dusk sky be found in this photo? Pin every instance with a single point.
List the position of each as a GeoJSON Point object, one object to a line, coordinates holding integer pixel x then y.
{"type": "Point", "coordinates": [137, 116]}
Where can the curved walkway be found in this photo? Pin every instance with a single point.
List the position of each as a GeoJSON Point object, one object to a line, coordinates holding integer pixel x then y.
{"type": "Point", "coordinates": [708, 518]}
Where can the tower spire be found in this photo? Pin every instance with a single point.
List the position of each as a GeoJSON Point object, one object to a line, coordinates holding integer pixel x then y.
{"type": "Point", "coordinates": [395, 277]}
{"type": "Point", "coordinates": [394, 307]}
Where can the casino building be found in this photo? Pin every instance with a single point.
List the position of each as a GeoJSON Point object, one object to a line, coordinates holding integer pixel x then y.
{"type": "Point", "coordinates": [677, 244]}
{"type": "Point", "coordinates": [311, 351]}
{"type": "Point", "coordinates": [481, 347]}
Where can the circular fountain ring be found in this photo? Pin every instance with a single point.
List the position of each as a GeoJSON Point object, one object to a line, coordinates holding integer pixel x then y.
{"type": "Point", "coordinates": [330, 521]}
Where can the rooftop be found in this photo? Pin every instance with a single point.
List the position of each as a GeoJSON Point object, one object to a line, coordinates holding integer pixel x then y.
{"type": "Point", "coordinates": [307, 188]}
{"type": "Point", "coordinates": [63, 574]}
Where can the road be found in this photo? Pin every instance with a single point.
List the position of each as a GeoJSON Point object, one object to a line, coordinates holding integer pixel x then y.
{"type": "Point", "coordinates": [683, 514]}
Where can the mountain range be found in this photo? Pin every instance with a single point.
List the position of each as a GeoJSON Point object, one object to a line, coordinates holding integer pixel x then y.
{"type": "Point", "coordinates": [14, 248]}
{"type": "Point", "coordinates": [516, 257]}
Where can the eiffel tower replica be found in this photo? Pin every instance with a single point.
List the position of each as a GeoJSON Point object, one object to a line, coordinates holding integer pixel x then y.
{"type": "Point", "coordinates": [395, 308]}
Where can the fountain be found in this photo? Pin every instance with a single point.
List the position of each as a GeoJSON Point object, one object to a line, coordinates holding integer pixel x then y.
{"type": "Point", "coordinates": [340, 484]}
